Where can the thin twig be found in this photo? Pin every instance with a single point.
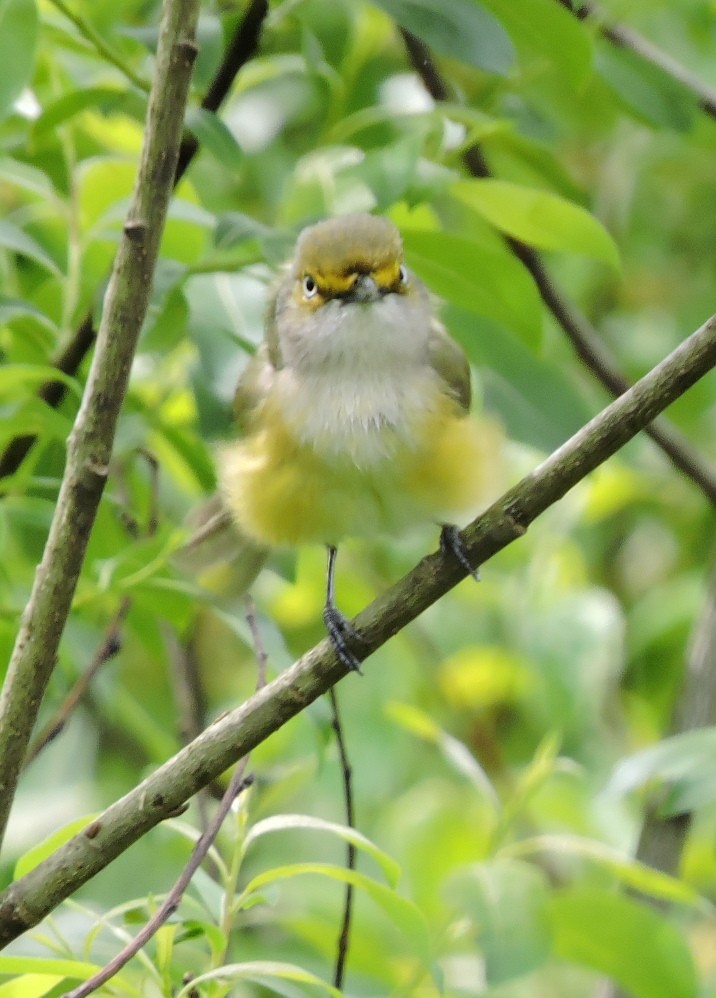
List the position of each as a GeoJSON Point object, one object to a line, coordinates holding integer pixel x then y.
{"type": "Point", "coordinates": [111, 645]}
{"type": "Point", "coordinates": [238, 783]}
{"type": "Point", "coordinates": [103, 49]}
{"type": "Point", "coordinates": [584, 337]}
{"type": "Point", "coordinates": [259, 650]}
{"type": "Point", "coordinates": [239, 50]}
{"type": "Point", "coordinates": [347, 775]}
{"type": "Point", "coordinates": [24, 903]}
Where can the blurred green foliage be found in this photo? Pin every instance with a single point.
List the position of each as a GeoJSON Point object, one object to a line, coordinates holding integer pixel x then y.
{"type": "Point", "coordinates": [500, 745]}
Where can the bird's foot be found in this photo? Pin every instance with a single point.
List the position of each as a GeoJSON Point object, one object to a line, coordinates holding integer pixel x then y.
{"type": "Point", "coordinates": [340, 632]}
{"type": "Point", "coordinates": [450, 542]}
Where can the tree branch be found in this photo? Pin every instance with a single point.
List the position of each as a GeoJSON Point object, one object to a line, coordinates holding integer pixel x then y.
{"type": "Point", "coordinates": [584, 338]}
{"type": "Point", "coordinates": [90, 443]}
{"type": "Point", "coordinates": [626, 38]}
{"type": "Point", "coordinates": [234, 734]}
{"type": "Point", "coordinates": [239, 50]}
{"type": "Point", "coordinates": [110, 647]}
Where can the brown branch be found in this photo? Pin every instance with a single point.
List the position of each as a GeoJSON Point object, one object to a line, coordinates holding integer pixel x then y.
{"type": "Point", "coordinates": [90, 443]}
{"type": "Point", "coordinates": [237, 732]}
{"type": "Point", "coordinates": [239, 51]}
{"type": "Point", "coordinates": [627, 38]}
{"type": "Point", "coordinates": [584, 337]}
{"type": "Point", "coordinates": [110, 647]}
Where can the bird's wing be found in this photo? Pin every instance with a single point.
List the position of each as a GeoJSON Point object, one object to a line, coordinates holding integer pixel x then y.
{"type": "Point", "coordinates": [450, 362]}
{"type": "Point", "coordinates": [253, 386]}
{"type": "Point", "coordinates": [257, 377]}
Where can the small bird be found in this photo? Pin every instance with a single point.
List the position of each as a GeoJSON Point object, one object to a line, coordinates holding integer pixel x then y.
{"type": "Point", "coordinates": [353, 412]}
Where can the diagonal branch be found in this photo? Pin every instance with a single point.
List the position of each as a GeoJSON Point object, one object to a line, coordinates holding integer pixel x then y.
{"type": "Point", "coordinates": [239, 50]}
{"type": "Point", "coordinates": [90, 444]}
{"type": "Point", "coordinates": [626, 38]}
{"type": "Point", "coordinates": [584, 337]}
{"type": "Point", "coordinates": [107, 650]}
{"type": "Point", "coordinates": [234, 734]}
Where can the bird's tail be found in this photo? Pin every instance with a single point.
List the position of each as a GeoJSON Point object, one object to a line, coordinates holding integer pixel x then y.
{"type": "Point", "coordinates": [217, 550]}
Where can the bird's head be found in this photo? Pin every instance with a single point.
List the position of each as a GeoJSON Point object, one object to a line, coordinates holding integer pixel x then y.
{"type": "Point", "coordinates": [348, 287]}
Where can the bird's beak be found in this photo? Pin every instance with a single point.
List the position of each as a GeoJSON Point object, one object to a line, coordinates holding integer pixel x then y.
{"type": "Point", "coordinates": [365, 289]}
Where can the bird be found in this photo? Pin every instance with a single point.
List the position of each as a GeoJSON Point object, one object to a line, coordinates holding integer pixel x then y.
{"type": "Point", "coordinates": [352, 416]}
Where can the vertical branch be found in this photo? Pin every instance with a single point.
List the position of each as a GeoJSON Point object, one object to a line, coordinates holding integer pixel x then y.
{"type": "Point", "coordinates": [347, 773]}
{"type": "Point", "coordinates": [90, 443]}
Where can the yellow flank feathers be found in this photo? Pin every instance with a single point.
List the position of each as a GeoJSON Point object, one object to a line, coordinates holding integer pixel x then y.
{"type": "Point", "coordinates": [284, 492]}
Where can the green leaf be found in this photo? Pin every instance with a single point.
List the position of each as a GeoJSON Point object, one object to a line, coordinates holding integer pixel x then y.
{"type": "Point", "coordinates": [29, 972]}
{"type": "Point", "coordinates": [261, 971]}
{"type": "Point", "coordinates": [484, 279]}
{"type": "Point", "coordinates": [286, 822]}
{"type": "Point", "coordinates": [460, 29]}
{"type": "Point", "coordinates": [507, 899]}
{"type": "Point", "coordinates": [630, 871]}
{"type": "Point", "coordinates": [33, 857]}
{"type": "Point", "coordinates": [536, 400]}
{"type": "Point", "coordinates": [457, 754]}
{"type": "Point", "coordinates": [74, 102]}
{"type": "Point", "coordinates": [26, 177]}
{"type": "Point", "coordinates": [13, 308]}
{"type": "Point", "coordinates": [28, 375]}
{"type": "Point", "coordinates": [215, 137]}
{"type": "Point", "coordinates": [538, 218]}
{"type": "Point", "coordinates": [405, 915]}
{"type": "Point", "coordinates": [29, 986]}
{"type": "Point", "coordinates": [684, 763]}
{"type": "Point", "coordinates": [34, 416]}
{"type": "Point", "coordinates": [18, 39]}
{"type": "Point", "coordinates": [551, 32]}
{"type": "Point", "coordinates": [625, 940]}
{"type": "Point", "coordinates": [16, 241]}
{"type": "Point", "coordinates": [646, 90]}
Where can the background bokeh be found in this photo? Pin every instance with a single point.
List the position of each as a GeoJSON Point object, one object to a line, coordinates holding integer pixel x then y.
{"type": "Point", "coordinates": [506, 746]}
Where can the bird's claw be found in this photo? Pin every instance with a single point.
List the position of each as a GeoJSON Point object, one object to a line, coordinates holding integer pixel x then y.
{"type": "Point", "coordinates": [450, 542]}
{"type": "Point", "coordinates": [340, 632]}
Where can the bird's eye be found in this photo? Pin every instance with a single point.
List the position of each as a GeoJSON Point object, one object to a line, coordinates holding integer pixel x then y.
{"type": "Point", "coordinates": [403, 274]}
{"type": "Point", "coordinates": [310, 288]}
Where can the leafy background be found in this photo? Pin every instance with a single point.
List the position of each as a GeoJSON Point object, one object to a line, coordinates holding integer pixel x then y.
{"type": "Point", "coordinates": [505, 747]}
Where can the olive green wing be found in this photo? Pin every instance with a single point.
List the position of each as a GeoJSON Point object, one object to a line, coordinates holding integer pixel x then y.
{"type": "Point", "coordinates": [257, 377]}
{"type": "Point", "coordinates": [252, 388]}
{"type": "Point", "coordinates": [450, 362]}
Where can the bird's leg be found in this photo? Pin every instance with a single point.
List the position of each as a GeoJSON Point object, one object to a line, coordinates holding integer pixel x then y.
{"type": "Point", "coordinates": [450, 542]}
{"type": "Point", "coordinates": [339, 628]}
